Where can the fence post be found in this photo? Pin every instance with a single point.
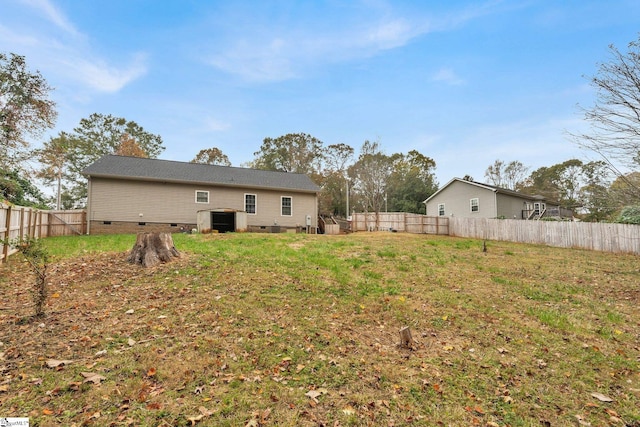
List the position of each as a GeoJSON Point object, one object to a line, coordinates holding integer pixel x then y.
{"type": "Point", "coordinates": [5, 247]}
{"type": "Point", "coordinates": [21, 227]}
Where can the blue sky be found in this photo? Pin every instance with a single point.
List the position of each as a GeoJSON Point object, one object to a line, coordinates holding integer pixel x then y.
{"type": "Point", "coordinates": [464, 82]}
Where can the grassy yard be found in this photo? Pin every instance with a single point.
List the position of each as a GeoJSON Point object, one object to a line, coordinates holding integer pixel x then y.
{"type": "Point", "coordinates": [290, 329]}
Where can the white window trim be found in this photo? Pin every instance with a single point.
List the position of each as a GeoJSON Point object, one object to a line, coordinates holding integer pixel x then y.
{"type": "Point", "coordinates": [444, 212]}
{"type": "Point", "coordinates": [477, 204]}
{"type": "Point", "coordinates": [202, 191]}
{"type": "Point", "coordinates": [255, 205]}
{"type": "Point", "coordinates": [281, 206]}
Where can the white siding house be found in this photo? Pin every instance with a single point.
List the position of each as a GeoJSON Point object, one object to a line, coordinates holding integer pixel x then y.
{"type": "Point", "coordinates": [470, 199]}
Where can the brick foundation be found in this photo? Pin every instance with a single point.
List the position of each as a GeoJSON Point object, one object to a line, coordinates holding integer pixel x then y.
{"type": "Point", "coordinates": [121, 227]}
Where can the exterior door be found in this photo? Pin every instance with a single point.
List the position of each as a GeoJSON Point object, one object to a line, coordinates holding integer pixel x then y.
{"type": "Point", "coordinates": [224, 222]}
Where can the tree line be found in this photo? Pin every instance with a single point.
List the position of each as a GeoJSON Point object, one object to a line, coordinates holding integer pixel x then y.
{"type": "Point", "coordinates": [607, 189]}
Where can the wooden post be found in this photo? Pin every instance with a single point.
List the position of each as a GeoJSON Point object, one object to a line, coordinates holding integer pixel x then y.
{"type": "Point", "coordinates": [5, 247]}
{"type": "Point", "coordinates": [406, 341]}
{"type": "Point", "coordinates": [21, 227]}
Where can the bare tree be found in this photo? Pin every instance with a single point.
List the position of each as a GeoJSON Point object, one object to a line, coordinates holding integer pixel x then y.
{"type": "Point", "coordinates": [614, 119]}
{"type": "Point", "coordinates": [506, 175]}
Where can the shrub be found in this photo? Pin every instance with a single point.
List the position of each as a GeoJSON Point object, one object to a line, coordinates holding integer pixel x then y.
{"type": "Point", "coordinates": [629, 215]}
{"type": "Point", "coordinates": [38, 258]}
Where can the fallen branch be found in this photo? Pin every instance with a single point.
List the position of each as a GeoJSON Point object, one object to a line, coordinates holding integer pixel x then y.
{"type": "Point", "coordinates": [154, 339]}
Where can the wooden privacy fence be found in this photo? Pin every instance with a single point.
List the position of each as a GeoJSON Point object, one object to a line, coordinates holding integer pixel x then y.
{"type": "Point", "coordinates": [19, 222]}
{"type": "Point", "coordinates": [400, 221]}
{"type": "Point", "coordinates": [565, 234]}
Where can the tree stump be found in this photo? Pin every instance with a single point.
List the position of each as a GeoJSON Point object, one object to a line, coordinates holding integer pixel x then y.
{"type": "Point", "coordinates": [406, 341]}
{"type": "Point", "coordinates": [152, 248]}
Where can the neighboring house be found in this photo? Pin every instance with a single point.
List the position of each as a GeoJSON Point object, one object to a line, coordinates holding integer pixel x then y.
{"type": "Point", "coordinates": [132, 194]}
{"type": "Point", "coordinates": [469, 199]}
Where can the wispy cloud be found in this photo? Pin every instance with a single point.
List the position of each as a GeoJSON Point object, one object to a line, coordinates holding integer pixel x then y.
{"type": "Point", "coordinates": [52, 14]}
{"type": "Point", "coordinates": [448, 76]}
{"type": "Point", "coordinates": [286, 56]}
{"type": "Point", "coordinates": [215, 125]}
{"type": "Point", "coordinates": [277, 53]}
{"type": "Point", "coordinates": [63, 53]}
{"type": "Point", "coordinates": [104, 78]}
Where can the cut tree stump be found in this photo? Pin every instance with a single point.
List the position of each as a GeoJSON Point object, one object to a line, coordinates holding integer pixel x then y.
{"type": "Point", "coordinates": [153, 248]}
{"type": "Point", "coordinates": [406, 341]}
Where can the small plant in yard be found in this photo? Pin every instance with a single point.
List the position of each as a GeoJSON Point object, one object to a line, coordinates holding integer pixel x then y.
{"type": "Point", "coordinates": [38, 258]}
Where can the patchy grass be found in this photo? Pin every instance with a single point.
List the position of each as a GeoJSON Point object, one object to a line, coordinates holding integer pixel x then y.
{"type": "Point", "coordinates": [255, 329]}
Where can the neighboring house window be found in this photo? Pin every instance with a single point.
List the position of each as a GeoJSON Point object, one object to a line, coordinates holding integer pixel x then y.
{"type": "Point", "coordinates": [441, 209]}
{"type": "Point", "coordinates": [250, 203]}
{"type": "Point", "coordinates": [286, 206]}
{"type": "Point", "coordinates": [202, 197]}
{"type": "Point", "coordinates": [475, 205]}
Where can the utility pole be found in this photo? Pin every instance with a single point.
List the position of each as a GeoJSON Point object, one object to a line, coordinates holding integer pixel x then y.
{"type": "Point", "coordinates": [347, 213]}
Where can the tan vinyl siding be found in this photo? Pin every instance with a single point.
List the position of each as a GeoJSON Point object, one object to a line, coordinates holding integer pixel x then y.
{"type": "Point", "coordinates": [457, 200]}
{"type": "Point", "coordinates": [123, 200]}
{"type": "Point", "coordinates": [510, 207]}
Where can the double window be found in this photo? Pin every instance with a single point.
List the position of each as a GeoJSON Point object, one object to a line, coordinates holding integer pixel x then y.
{"type": "Point", "coordinates": [250, 203]}
{"type": "Point", "coordinates": [286, 206]}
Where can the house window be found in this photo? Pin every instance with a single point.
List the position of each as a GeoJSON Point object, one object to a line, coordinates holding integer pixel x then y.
{"type": "Point", "coordinates": [475, 205]}
{"type": "Point", "coordinates": [286, 206]}
{"type": "Point", "coordinates": [250, 203]}
{"type": "Point", "coordinates": [202, 197]}
{"type": "Point", "coordinates": [441, 209]}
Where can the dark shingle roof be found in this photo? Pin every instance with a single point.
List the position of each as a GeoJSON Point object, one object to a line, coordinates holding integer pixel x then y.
{"type": "Point", "coordinates": [136, 168]}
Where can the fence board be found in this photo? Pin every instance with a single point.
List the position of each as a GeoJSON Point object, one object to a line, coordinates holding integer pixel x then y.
{"type": "Point", "coordinates": [604, 237]}
{"type": "Point", "coordinates": [399, 221]}
{"type": "Point", "coordinates": [19, 222]}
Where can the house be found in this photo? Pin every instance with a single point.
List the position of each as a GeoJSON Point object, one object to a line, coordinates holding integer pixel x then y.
{"type": "Point", "coordinates": [132, 194]}
{"type": "Point", "coordinates": [469, 199]}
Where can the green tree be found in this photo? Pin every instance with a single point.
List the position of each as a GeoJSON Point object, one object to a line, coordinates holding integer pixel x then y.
{"type": "Point", "coordinates": [211, 156]}
{"type": "Point", "coordinates": [370, 175]}
{"type": "Point", "coordinates": [411, 182]}
{"type": "Point", "coordinates": [595, 193]}
{"type": "Point", "coordinates": [17, 189]}
{"type": "Point", "coordinates": [629, 215]}
{"type": "Point", "coordinates": [293, 152]}
{"type": "Point", "coordinates": [558, 183]}
{"type": "Point", "coordinates": [574, 184]}
{"type": "Point", "coordinates": [25, 109]}
{"type": "Point", "coordinates": [625, 189]}
{"type": "Point", "coordinates": [333, 198]}
{"type": "Point", "coordinates": [99, 135]}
